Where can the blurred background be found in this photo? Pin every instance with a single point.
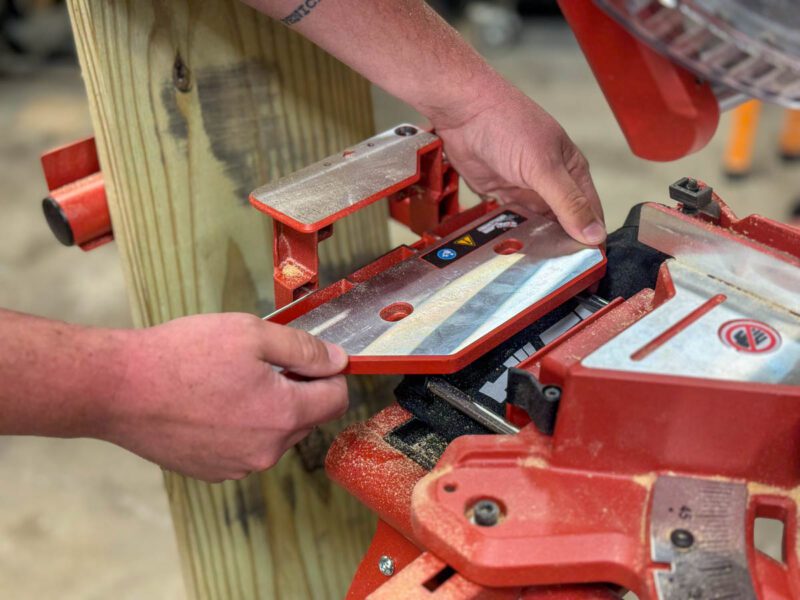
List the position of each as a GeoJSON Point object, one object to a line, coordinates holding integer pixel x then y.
{"type": "Point", "coordinates": [84, 519]}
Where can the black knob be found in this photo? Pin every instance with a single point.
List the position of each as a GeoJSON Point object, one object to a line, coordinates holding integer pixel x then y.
{"type": "Point", "coordinates": [58, 222]}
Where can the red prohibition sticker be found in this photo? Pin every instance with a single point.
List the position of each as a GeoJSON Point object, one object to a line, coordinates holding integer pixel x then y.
{"type": "Point", "coordinates": [748, 335]}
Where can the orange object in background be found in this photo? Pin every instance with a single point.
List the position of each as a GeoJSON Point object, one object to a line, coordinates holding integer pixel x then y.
{"type": "Point", "coordinates": [790, 136]}
{"type": "Point", "coordinates": [738, 157]}
{"type": "Point", "coordinates": [739, 151]}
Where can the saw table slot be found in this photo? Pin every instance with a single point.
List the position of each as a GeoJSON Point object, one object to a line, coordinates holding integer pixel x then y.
{"type": "Point", "coordinates": [672, 331]}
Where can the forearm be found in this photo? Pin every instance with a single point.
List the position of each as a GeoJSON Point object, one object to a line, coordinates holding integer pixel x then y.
{"type": "Point", "coordinates": [56, 379]}
{"type": "Point", "coordinates": [401, 45]}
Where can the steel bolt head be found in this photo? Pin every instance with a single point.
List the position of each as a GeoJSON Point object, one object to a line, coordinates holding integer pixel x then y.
{"type": "Point", "coordinates": [486, 513]}
{"type": "Point", "coordinates": [386, 565]}
{"type": "Point", "coordinates": [405, 130]}
{"type": "Point", "coordinates": [691, 184]}
{"type": "Point", "coordinates": [682, 538]}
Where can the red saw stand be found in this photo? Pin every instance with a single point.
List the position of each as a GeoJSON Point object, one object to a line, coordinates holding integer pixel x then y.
{"type": "Point", "coordinates": [673, 426]}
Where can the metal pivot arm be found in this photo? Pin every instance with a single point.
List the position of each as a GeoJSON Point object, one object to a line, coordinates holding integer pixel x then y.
{"type": "Point", "coordinates": [405, 164]}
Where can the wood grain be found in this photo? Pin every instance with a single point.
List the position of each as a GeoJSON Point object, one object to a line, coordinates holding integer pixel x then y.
{"type": "Point", "coordinates": [194, 104]}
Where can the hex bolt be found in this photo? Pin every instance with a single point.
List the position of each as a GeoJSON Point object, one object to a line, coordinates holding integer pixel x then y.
{"type": "Point", "coordinates": [486, 513]}
{"type": "Point", "coordinates": [386, 565]}
{"type": "Point", "coordinates": [682, 538]}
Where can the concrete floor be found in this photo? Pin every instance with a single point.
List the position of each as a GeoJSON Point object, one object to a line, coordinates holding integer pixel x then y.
{"type": "Point", "coordinates": [84, 519]}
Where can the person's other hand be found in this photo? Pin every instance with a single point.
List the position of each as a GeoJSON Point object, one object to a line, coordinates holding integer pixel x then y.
{"type": "Point", "coordinates": [201, 396]}
{"type": "Point", "coordinates": [513, 150]}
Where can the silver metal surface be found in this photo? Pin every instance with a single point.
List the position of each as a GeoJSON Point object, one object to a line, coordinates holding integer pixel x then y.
{"type": "Point", "coordinates": [755, 285]}
{"type": "Point", "coordinates": [736, 261]}
{"type": "Point", "coordinates": [711, 514]}
{"type": "Point", "coordinates": [456, 305]}
{"type": "Point", "coordinates": [338, 182]}
{"type": "Point", "coordinates": [461, 402]}
{"type": "Point", "coordinates": [593, 302]}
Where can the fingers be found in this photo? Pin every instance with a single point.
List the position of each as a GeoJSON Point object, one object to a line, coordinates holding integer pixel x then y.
{"type": "Point", "coordinates": [583, 178]}
{"type": "Point", "coordinates": [315, 402]}
{"type": "Point", "coordinates": [521, 195]}
{"type": "Point", "coordinates": [301, 353]}
{"type": "Point", "coordinates": [577, 209]}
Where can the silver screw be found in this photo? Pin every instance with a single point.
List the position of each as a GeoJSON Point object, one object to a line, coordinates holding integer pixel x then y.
{"type": "Point", "coordinates": [386, 565]}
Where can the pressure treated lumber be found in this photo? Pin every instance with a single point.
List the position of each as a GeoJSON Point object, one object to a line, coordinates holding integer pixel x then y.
{"type": "Point", "coordinates": [194, 104]}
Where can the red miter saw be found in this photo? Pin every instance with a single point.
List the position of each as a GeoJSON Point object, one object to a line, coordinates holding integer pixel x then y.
{"type": "Point", "coordinates": [574, 422]}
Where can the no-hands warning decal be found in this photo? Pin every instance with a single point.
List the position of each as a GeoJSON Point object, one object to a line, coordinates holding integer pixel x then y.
{"type": "Point", "coordinates": [473, 239]}
{"type": "Point", "coordinates": [748, 335]}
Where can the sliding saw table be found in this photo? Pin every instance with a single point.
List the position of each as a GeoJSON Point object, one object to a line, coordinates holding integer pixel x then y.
{"type": "Point", "coordinates": [574, 422]}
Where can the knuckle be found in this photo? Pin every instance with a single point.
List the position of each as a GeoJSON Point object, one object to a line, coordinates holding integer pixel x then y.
{"type": "Point", "coordinates": [243, 320]}
{"type": "Point", "coordinates": [308, 349]}
{"type": "Point", "coordinates": [575, 161]}
{"type": "Point", "coordinates": [243, 327]}
{"type": "Point", "coordinates": [550, 162]}
{"type": "Point", "coordinates": [576, 203]}
{"type": "Point", "coordinates": [581, 163]}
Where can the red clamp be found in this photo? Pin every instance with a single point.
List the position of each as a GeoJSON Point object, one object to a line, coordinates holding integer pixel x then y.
{"type": "Point", "coordinates": [404, 164]}
{"type": "Point", "coordinates": [76, 209]}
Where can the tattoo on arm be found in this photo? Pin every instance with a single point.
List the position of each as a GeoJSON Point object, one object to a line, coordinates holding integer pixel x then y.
{"type": "Point", "coordinates": [300, 12]}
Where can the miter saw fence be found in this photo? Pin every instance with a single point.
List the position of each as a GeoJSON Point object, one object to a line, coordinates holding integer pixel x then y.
{"type": "Point", "coordinates": [619, 425]}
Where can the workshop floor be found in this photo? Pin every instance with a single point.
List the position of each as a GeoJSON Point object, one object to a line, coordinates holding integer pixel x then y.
{"type": "Point", "coordinates": [85, 520]}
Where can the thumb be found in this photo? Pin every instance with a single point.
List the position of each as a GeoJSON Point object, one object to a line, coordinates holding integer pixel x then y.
{"type": "Point", "coordinates": [300, 352]}
{"type": "Point", "coordinates": [577, 211]}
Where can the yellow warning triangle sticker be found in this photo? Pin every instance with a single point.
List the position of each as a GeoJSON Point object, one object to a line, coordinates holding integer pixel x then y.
{"type": "Point", "coordinates": [465, 241]}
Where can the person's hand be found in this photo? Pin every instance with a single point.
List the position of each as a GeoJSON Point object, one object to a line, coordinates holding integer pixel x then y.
{"type": "Point", "coordinates": [202, 398]}
{"type": "Point", "coordinates": [514, 151]}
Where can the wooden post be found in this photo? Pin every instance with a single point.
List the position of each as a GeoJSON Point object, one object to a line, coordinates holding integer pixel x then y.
{"type": "Point", "coordinates": [195, 104]}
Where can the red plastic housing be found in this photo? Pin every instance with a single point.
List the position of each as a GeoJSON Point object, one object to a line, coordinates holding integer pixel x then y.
{"type": "Point", "coordinates": [576, 504]}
